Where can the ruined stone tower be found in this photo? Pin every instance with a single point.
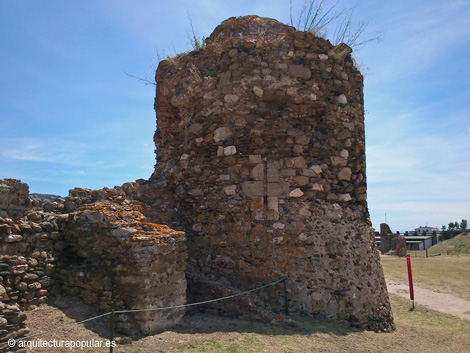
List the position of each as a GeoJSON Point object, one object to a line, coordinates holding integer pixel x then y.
{"type": "Point", "coordinates": [260, 139]}
{"type": "Point", "coordinates": [261, 162]}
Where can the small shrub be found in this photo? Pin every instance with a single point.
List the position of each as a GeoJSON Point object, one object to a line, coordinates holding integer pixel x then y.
{"type": "Point", "coordinates": [197, 77]}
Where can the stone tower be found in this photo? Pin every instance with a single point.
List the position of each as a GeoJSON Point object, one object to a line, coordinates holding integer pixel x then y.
{"type": "Point", "coordinates": [260, 140]}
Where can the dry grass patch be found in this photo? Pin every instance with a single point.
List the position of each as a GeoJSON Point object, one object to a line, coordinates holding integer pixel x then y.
{"type": "Point", "coordinates": [457, 245]}
{"type": "Point", "coordinates": [422, 330]}
{"type": "Point", "coordinates": [446, 274]}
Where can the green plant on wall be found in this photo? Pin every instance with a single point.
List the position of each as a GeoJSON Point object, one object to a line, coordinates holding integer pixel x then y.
{"type": "Point", "coordinates": [196, 76]}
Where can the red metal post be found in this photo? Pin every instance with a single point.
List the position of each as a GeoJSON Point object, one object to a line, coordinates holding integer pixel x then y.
{"type": "Point", "coordinates": [447, 252]}
{"type": "Point", "coordinates": [410, 280]}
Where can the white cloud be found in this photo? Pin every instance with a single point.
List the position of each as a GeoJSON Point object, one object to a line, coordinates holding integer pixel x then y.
{"type": "Point", "coordinates": [415, 173]}
{"type": "Point", "coordinates": [414, 38]}
{"type": "Point", "coordinates": [31, 149]}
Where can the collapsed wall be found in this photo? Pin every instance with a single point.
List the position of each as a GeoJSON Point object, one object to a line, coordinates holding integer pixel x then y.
{"type": "Point", "coordinates": [113, 258]}
{"type": "Point", "coordinates": [26, 257]}
{"type": "Point", "coordinates": [95, 244]}
{"type": "Point", "coordinates": [261, 138]}
{"type": "Point", "coordinates": [391, 243]}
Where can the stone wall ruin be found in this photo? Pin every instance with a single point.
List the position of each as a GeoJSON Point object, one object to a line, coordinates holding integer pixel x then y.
{"type": "Point", "coordinates": [261, 171]}
{"type": "Point", "coordinates": [391, 242]}
{"type": "Point", "coordinates": [97, 245]}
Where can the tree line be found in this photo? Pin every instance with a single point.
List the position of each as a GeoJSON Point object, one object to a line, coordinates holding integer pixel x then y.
{"type": "Point", "coordinates": [456, 226]}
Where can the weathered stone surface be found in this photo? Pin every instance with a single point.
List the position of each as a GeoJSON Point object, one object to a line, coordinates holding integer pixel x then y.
{"type": "Point", "coordinates": [93, 233]}
{"type": "Point", "coordinates": [390, 243]}
{"type": "Point", "coordinates": [344, 197]}
{"type": "Point", "coordinates": [293, 107]}
{"type": "Point", "coordinates": [262, 164]}
{"type": "Point", "coordinates": [300, 180]}
{"type": "Point", "coordinates": [345, 174]}
{"type": "Point", "coordinates": [222, 134]}
{"type": "Point", "coordinates": [14, 196]}
{"type": "Point", "coordinates": [230, 150]}
{"type": "Point", "coordinates": [296, 193]}
{"type": "Point", "coordinates": [146, 252]}
{"type": "Point", "coordinates": [258, 91]}
{"type": "Point", "coordinates": [230, 190]}
{"type": "Point", "coordinates": [253, 188]}
{"type": "Point", "coordinates": [255, 158]}
{"type": "Point", "coordinates": [338, 161]}
{"type": "Point", "coordinates": [257, 173]}
{"type": "Point", "coordinates": [300, 71]}
{"type": "Point", "coordinates": [341, 99]}
{"type": "Point", "coordinates": [277, 189]}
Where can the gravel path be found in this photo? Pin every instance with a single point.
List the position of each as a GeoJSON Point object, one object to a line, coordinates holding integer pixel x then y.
{"type": "Point", "coordinates": [443, 302]}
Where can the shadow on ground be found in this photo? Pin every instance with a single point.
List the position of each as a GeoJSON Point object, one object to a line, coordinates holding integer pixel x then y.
{"type": "Point", "coordinates": [198, 322]}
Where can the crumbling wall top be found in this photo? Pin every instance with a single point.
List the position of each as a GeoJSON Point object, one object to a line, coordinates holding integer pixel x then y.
{"type": "Point", "coordinates": [249, 27]}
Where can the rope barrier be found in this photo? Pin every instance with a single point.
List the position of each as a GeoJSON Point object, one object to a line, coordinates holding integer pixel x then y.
{"type": "Point", "coordinates": [199, 303]}
{"type": "Point", "coordinates": [150, 309]}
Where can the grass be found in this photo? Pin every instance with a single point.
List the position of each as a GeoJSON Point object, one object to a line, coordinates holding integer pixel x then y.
{"type": "Point", "coordinates": [457, 245]}
{"type": "Point", "coordinates": [173, 61]}
{"type": "Point", "coordinates": [196, 76]}
{"type": "Point", "coordinates": [448, 274]}
{"type": "Point", "coordinates": [422, 330]}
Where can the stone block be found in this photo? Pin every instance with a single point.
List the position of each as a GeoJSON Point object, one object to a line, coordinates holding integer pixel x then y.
{"type": "Point", "coordinates": [273, 175]}
{"type": "Point", "coordinates": [338, 161]}
{"type": "Point", "coordinates": [253, 188]}
{"type": "Point", "coordinates": [255, 158]}
{"type": "Point", "coordinates": [300, 180]}
{"type": "Point", "coordinates": [272, 213]}
{"type": "Point", "coordinates": [278, 189]}
{"type": "Point", "coordinates": [230, 150]}
{"type": "Point", "coordinates": [257, 208]}
{"type": "Point", "coordinates": [257, 173]}
{"type": "Point", "coordinates": [222, 134]}
{"type": "Point", "coordinates": [300, 71]}
{"type": "Point", "coordinates": [296, 193]}
{"type": "Point", "coordinates": [287, 172]}
{"type": "Point", "coordinates": [345, 174]}
{"type": "Point", "coordinates": [230, 190]}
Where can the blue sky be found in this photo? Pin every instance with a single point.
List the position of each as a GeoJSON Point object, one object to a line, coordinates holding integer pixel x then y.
{"type": "Point", "coordinates": [69, 115]}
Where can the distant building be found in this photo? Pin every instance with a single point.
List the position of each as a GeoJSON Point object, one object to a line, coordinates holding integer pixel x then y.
{"type": "Point", "coordinates": [428, 230]}
{"type": "Point", "coordinates": [421, 238]}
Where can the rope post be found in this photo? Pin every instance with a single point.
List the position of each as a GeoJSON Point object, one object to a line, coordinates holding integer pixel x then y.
{"type": "Point", "coordinates": [285, 295]}
{"type": "Point", "coordinates": [410, 280]}
{"type": "Point", "coordinates": [111, 332]}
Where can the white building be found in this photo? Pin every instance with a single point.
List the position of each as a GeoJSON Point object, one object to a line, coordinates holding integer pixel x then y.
{"type": "Point", "coordinates": [428, 230]}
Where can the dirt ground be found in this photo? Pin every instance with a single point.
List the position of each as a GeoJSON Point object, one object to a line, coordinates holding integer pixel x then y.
{"type": "Point", "coordinates": [423, 330]}
{"type": "Point", "coordinates": [442, 302]}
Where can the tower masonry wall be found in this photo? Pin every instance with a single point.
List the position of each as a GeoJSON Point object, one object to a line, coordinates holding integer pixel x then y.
{"type": "Point", "coordinates": [260, 137]}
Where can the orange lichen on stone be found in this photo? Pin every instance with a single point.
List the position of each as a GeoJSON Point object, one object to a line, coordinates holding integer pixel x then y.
{"type": "Point", "coordinates": [12, 182]}
{"type": "Point", "coordinates": [129, 215]}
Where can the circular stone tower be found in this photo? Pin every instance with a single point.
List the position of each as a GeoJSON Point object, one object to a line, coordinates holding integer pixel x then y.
{"type": "Point", "coordinates": [261, 138]}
